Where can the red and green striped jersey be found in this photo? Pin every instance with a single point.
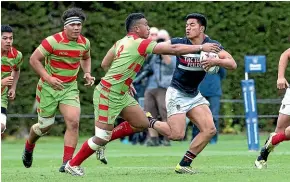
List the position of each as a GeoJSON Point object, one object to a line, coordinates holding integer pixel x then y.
{"type": "Point", "coordinates": [12, 61]}
{"type": "Point", "coordinates": [62, 56]}
{"type": "Point", "coordinates": [130, 53]}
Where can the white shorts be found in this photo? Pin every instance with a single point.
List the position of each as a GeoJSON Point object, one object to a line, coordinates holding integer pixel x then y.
{"type": "Point", "coordinates": [179, 102]}
{"type": "Point", "coordinates": [3, 118]}
{"type": "Point", "coordinates": [285, 106]}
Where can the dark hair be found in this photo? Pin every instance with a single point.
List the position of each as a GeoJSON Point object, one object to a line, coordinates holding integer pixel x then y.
{"type": "Point", "coordinates": [73, 12]}
{"type": "Point", "coordinates": [201, 19]}
{"type": "Point", "coordinates": [6, 28]}
{"type": "Point", "coordinates": [132, 19]}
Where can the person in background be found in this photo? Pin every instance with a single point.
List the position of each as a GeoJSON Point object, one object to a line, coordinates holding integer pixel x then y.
{"type": "Point", "coordinates": [140, 87]}
{"type": "Point", "coordinates": [162, 67]}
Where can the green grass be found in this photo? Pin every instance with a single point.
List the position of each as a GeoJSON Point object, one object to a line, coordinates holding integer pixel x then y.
{"type": "Point", "coordinates": [229, 160]}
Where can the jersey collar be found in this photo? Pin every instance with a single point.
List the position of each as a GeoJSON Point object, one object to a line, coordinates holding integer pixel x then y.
{"type": "Point", "coordinates": [12, 53]}
{"type": "Point", "coordinates": [65, 39]}
{"type": "Point", "coordinates": [134, 35]}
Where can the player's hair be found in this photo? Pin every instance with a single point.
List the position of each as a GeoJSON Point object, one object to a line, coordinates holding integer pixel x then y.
{"type": "Point", "coordinates": [72, 12]}
{"type": "Point", "coordinates": [6, 28]}
{"type": "Point", "coordinates": [201, 19]}
{"type": "Point", "coordinates": [132, 19]}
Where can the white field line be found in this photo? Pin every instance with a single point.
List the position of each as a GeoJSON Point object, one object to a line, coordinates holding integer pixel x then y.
{"type": "Point", "coordinates": [38, 155]}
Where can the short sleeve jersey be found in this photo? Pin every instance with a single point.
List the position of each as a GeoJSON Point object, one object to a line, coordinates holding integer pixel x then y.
{"type": "Point", "coordinates": [189, 72]}
{"type": "Point", "coordinates": [130, 53]}
{"type": "Point", "coordinates": [62, 56]}
{"type": "Point", "coordinates": [12, 61]}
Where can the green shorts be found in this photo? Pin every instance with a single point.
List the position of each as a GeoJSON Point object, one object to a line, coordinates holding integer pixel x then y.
{"type": "Point", "coordinates": [4, 97]}
{"type": "Point", "coordinates": [108, 104]}
{"type": "Point", "coordinates": [49, 99]}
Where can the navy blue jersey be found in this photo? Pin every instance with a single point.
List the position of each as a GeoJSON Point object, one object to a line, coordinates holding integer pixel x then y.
{"type": "Point", "coordinates": [188, 72]}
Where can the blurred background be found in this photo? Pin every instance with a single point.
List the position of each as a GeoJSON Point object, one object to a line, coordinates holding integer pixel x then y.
{"type": "Point", "coordinates": [243, 28]}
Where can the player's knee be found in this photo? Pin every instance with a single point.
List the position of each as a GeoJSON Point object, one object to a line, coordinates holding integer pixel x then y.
{"type": "Point", "coordinates": [103, 134]}
{"type": "Point", "coordinates": [43, 125]}
{"type": "Point", "coordinates": [93, 145]}
{"type": "Point", "coordinates": [36, 129]}
{"type": "Point", "coordinates": [211, 131]}
{"type": "Point", "coordinates": [177, 135]}
{"type": "Point", "coordinates": [3, 119]}
{"type": "Point", "coordinates": [287, 132]}
{"type": "Point", "coordinates": [3, 128]}
{"type": "Point", "coordinates": [73, 124]}
{"type": "Point", "coordinates": [280, 129]}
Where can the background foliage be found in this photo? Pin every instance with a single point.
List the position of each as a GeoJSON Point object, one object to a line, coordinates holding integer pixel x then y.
{"type": "Point", "coordinates": [243, 28]}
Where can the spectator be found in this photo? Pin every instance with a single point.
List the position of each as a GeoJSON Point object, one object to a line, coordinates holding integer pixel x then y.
{"type": "Point", "coordinates": [140, 89]}
{"type": "Point", "coordinates": [162, 67]}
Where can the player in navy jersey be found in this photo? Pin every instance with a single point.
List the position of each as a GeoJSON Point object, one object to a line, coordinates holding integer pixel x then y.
{"type": "Point", "coordinates": [183, 98]}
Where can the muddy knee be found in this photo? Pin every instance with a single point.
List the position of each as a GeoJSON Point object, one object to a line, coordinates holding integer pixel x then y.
{"type": "Point", "coordinates": [72, 124]}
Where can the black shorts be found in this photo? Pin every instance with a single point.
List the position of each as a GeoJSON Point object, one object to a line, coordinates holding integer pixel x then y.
{"type": "Point", "coordinates": [4, 111]}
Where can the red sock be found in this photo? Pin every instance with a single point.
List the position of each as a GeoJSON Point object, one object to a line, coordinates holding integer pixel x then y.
{"type": "Point", "coordinates": [68, 153]}
{"type": "Point", "coordinates": [82, 155]}
{"type": "Point", "coordinates": [122, 130]}
{"type": "Point", "coordinates": [279, 137]}
{"type": "Point", "coordinates": [29, 147]}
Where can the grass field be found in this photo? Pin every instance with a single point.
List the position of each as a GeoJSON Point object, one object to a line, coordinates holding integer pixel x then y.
{"type": "Point", "coordinates": [229, 160]}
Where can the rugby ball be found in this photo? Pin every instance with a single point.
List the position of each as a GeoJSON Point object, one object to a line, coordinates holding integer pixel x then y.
{"type": "Point", "coordinates": [206, 55]}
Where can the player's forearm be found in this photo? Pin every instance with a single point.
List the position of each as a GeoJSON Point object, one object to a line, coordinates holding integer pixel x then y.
{"type": "Point", "coordinates": [228, 63]}
{"type": "Point", "coordinates": [15, 75]}
{"type": "Point", "coordinates": [179, 49]}
{"type": "Point", "coordinates": [39, 69]}
{"type": "Point", "coordinates": [283, 62]}
{"type": "Point", "coordinates": [86, 65]}
{"type": "Point", "coordinates": [175, 49]}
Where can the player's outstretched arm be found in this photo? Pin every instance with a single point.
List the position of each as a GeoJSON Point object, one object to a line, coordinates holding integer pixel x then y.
{"type": "Point", "coordinates": [226, 60]}
{"type": "Point", "coordinates": [283, 62]}
{"type": "Point", "coordinates": [108, 59]}
{"type": "Point", "coordinates": [179, 49]}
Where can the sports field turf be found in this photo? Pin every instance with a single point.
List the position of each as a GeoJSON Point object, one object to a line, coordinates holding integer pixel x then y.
{"type": "Point", "coordinates": [229, 160]}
